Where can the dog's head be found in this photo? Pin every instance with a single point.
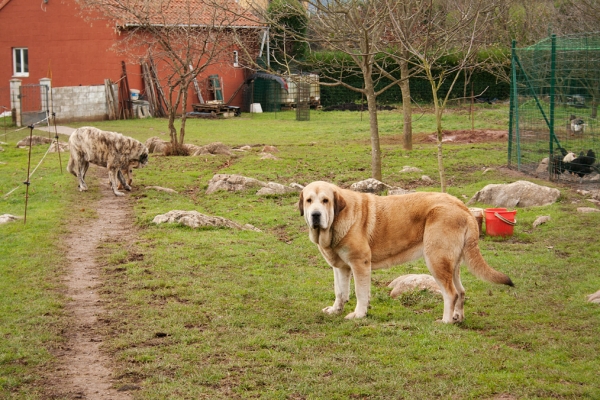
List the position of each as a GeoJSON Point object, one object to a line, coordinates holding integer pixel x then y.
{"type": "Point", "coordinates": [143, 159]}
{"type": "Point", "coordinates": [320, 203]}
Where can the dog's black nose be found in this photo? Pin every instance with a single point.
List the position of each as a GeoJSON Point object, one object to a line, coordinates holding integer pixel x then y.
{"type": "Point", "coordinates": [316, 219]}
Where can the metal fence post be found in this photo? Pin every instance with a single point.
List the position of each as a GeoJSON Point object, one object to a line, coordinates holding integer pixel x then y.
{"type": "Point", "coordinates": [513, 88]}
{"type": "Point", "coordinates": [552, 100]}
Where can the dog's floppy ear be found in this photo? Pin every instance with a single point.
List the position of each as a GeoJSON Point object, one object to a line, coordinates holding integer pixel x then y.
{"type": "Point", "coordinates": [338, 204]}
{"type": "Point", "coordinates": [301, 204]}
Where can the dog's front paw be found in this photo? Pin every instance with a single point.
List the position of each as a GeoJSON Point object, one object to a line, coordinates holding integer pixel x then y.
{"type": "Point", "coordinates": [356, 314]}
{"type": "Point", "coordinates": [331, 310]}
{"type": "Point", "coordinates": [117, 193]}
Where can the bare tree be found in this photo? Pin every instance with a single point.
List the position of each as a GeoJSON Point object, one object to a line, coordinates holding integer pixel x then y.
{"type": "Point", "coordinates": [183, 38]}
{"type": "Point", "coordinates": [340, 40]}
{"type": "Point", "coordinates": [445, 30]}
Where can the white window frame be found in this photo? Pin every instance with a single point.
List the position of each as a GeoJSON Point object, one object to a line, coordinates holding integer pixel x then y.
{"type": "Point", "coordinates": [24, 53]}
{"type": "Point", "coordinates": [236, 58]}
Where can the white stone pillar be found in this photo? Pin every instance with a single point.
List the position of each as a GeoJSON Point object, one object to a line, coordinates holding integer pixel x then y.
{"type": "Point", "coordinates": [15, 99]}
{"type": "Point", "coordinates": [47, 97]}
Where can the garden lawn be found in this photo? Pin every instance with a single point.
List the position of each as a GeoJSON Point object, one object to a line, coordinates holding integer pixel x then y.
{"type": "Point", "coordinates": [218, 313]}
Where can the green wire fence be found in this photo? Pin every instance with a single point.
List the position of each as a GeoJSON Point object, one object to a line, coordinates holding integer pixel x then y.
{"type": "Point", "coordinates": [555, 94]}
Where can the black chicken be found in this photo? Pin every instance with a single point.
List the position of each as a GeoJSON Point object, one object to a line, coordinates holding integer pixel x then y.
{"type": "Point", "coordinates": [582, 165]}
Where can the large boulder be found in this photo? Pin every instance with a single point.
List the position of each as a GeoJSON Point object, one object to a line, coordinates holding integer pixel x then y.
{"type": "Point", "coordinates": [370, 185]}
{"type": "Point", "coordinates": [276, 188]}
{"type": "Point", "coordinates": [63, 147]}
{"type": "Point", "coordinates": [594, 297]}
{"type": "Point", "coordinates": [408, 168]}
{"type": "Point", "coordinates": [212, 148]}
{"type": "Point", "coordinates": [411, 282]}
{"type": "Point", "coordinates": [194, 219]}
{"type": "Point", "coordinates": [156, 145]}
{"type": "Point", "coordinates": [398, 191]}
{"type": "Point", "coordinates": [35, 141]}
{"type": "Point", "coordinates": [233, 183]}
{"type": "Point", "coordinates": [516, 194]}
{"type": "Point", "coordinates": [4, 218]}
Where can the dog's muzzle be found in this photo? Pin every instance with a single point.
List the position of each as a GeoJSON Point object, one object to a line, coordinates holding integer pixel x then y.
{"type": "Point", "coordinates": [316, 219]}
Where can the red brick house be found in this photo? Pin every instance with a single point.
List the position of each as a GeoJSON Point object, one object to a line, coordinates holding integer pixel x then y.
{"type": "Point", "coordinates": [51, 38]}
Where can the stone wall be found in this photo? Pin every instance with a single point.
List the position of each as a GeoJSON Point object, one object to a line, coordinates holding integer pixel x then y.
{"type": "Point", "coordinates": [81, 103]}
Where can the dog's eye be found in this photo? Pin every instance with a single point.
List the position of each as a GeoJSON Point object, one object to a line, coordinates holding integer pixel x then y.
{"type": "Point", "coordinates": [308, 201]}
{"type": "Point", "coordinates": [325, 201]}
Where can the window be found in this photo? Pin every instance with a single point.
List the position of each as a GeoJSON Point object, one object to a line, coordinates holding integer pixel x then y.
{"type": "Point", "coordinates": [236, 60]}
{"type": "Point", "coordinates": [20, 62]}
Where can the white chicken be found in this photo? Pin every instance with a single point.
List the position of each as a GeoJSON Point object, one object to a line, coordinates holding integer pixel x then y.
{"type": "Point", "coordinates": [577, 125]}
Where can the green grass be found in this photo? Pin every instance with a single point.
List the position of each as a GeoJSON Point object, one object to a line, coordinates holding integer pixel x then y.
{"type": "Point", "coordinates": [216, 313]}
{"type": "Point", "coordinates": [31, 264]}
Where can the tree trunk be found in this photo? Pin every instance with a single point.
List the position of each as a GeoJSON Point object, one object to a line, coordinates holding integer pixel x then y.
{"type": "Point", "coordinates": [440, 135]}
{"type": "Point", "coordinates": [406, 104]}
{"type": "Point", "coordinates": [375, 147]}
{"type": "Point", "coordinates": [173, 107]}
{"type": "Point", "coordinates": [183, 113]}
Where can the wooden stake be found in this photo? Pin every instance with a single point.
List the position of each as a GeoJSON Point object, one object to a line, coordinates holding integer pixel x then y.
{"type": "Point", "coordinates": [28, 168]}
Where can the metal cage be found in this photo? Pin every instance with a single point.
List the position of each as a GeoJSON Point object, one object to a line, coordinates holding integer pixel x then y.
{"type": "Point", "coordinates": [555, 94]}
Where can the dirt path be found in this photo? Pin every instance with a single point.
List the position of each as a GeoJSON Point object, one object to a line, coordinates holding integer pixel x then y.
{"type": "Point", "coordinates": [84, 371]}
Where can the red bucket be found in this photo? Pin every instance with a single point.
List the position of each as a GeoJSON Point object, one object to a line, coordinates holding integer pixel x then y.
{"type": "Point", "coordinates": [499, 221]}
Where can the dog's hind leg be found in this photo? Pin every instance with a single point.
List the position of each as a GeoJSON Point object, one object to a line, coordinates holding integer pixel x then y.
{"type": "Point", "coordinates": [459, 307]}
{"type": "Point", "coordinates": [341, 283]}
{"type": "Point", "coordinates": [442, 265]}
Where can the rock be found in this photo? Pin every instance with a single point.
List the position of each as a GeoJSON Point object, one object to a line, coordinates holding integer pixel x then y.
{"type": "Point", "coordinates": [426, 179]}
{"type": "Point", "coordinates": [162, 189]}
{"type": "Point", "coordinates": [35, 141]}
{"type": "Point", "coordinates": [275, 188]}
{"type": "Point", "coordinates": [408, 168]}
{"type": "Point", "coordinates": [485, 171]}
{"type": "Point", "coordinates": [586, 210]}
{"type": "Point", "coordinates": [370, 185]}
{"type": "Point", "coordinates": [63, 146]}
{"type": "Point", "coordinates": [5, 218]}
{"type": "Point", "coordinates": [397, 191]}
{"type": "Point", "coordinates": [270, 149]}
{"type": "Point", "coordinates": [156, 145]}
{"type": "Point", "coordinates": [233, 183]}
{"type": "Point", "coordinates": [192, 149]}
{"type": "Point", "coordinates": [594, 201]}
{"type": "Point", "coordinates": [594, 297]}
{"type": "Point", "coordinates": [296, 186]}
{"type": "Point", "coordinates": [194, 219]}
{"type": "Point", "coordinates": [595, 194]}
{"type": "Point", "coordinates": [541, 220]}
{"type": "Point", "coordinates": [411, 282]}
{"type": "Point", "coordinates": [212, 148]}
{"type": "Point", "coordinates": [520, 193]}
{"type": "Point", "coordinates": [245, 148]}
{"type": "Point", "coordinates": [267, 156]}
{"type": "Point", "coordinates": [543, 166]}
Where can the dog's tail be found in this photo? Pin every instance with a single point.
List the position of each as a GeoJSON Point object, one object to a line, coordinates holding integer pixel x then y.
{"type": "Point", "coordinates": [474, 260]}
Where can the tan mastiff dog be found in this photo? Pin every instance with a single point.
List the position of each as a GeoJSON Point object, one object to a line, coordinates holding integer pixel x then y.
{"type": "Point", "coordinates": [357, 233]}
